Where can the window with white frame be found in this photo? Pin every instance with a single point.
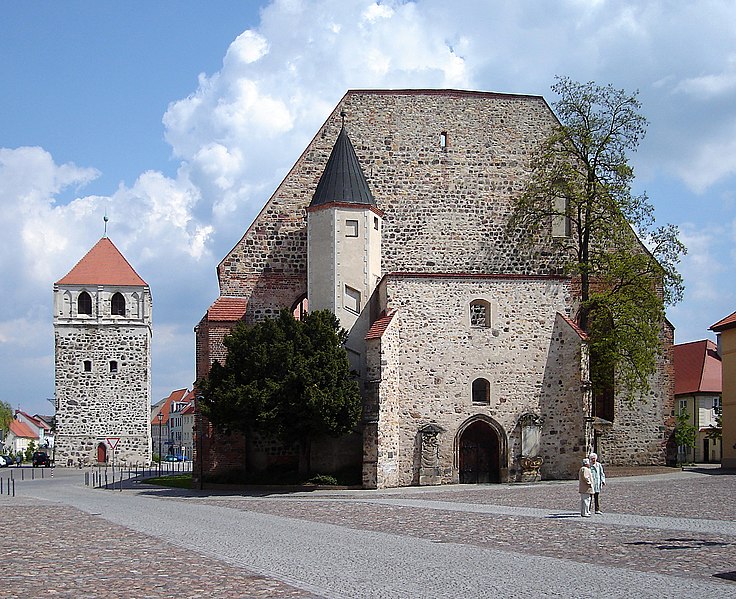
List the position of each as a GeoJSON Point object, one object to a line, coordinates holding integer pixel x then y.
{"type": "Point", "coordinates": [717, 405]}
{"type": "Point", "coordinates": [352, 299]}
{"type": "Point", "coordinates": [351, 228]}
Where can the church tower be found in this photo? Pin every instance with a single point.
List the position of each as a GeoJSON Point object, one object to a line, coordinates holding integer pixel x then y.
{"type": "Point", "coordinates": [344, 245]}
{"type": "Point", "coordinates": [102, 343]}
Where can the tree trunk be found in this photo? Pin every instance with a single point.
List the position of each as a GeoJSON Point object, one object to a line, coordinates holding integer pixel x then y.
{"type": "Point", "coordinates": [305, 457]}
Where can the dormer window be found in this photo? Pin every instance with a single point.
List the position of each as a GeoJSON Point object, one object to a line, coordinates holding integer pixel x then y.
{"type": "Point", "coordinates": [117, 305]}
{"type": "Point", "coordinates": [84, 304]}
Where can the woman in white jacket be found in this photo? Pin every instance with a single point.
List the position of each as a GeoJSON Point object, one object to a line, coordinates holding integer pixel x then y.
{"type": "Point", "coordinates": [599, 480]}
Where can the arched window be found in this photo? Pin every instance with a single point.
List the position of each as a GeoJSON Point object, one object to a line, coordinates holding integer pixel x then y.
{"type": "Point", "coordinates": [117, 305]}
{"type": "Point", "coordinates": [481, 392]}
{"type": "Point", "coordinates": [300, 307]}
{"type": "Point", "coordinates": [480, 313]}
{"type": "Point", "coordinates": [84, 303]}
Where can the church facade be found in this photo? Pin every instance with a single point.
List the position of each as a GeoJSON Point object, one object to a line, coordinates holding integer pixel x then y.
{"type": "Point", "coordinates": [102, 354]}
{"type": "Point", "coordinates": [463, 335]}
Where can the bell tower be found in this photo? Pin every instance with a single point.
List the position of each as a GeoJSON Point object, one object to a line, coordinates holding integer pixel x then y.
{"type": "Point", "coordinates": [102, 358]}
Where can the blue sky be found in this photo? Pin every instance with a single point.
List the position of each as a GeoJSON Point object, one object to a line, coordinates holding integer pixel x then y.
{"type": "Point", "coordinates": [179, 119]}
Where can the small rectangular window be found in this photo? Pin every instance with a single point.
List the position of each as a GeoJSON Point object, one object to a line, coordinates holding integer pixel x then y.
{"type": "Point", "coordinates": [443, 140]}
{"type": "Point", "coordinates": [113, 366]}
{"type": "Point", "coordinates": [352, 300]}
{"type": "Point", "coordinates": [351, 228]}
{"type": "Point", "coordinates": [375, 223]}
{"type": "Point", "coordinates": [88, 365]}
{"type": "Point", "coordinates": [683, 405]}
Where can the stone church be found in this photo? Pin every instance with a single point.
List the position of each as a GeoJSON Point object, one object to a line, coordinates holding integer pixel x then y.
{"type": "Point", "coordinates": [464, 338]}
{"type": "Point", "coordinates": [102, 345]}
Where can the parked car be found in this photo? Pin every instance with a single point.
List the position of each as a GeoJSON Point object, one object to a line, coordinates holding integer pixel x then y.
{"type": "Point", "coordinates": [41, 458]}
{"type": "Point", "coordinates": [9, 459]}
{"type": "Point", "coordinates": [3, 462]}
{"type": "Point", "coordinates": [170, 458]}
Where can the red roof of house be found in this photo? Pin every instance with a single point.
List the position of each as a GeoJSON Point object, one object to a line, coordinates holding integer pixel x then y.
{"type": "Point", "coordinates": [165, 406]}
{"type": "Point", "coordinates": [37, 422]}
{"type": "Point", "coordinates": [378, 328]}
{"type": "Point", "coordinates": [227, 309]}
{"type": "Point", "coordinates": [189, 409]}
{"type": "Point", "coordinates": [103, 265]}
{"type": "Point", "coordinates": [727, 323]}
{"type": "Point", "coordinates": [581, 333]}
{"type": "Point", "coordinates": [697, 368]}
{"type": "Point", "coordinates": [21, 429]}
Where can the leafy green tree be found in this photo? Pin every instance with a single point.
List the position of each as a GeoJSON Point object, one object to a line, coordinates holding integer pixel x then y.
{"type": "Point", "coordinates": [685, 432]}
{"type": "Point", "coordinates": [6, 417]}
{"type": "Point", "coordinates": [284, 378]}
{"type": "Point", "coordinates": [29, 451]}
{"type": "Point", "coordinates": [580, 190]}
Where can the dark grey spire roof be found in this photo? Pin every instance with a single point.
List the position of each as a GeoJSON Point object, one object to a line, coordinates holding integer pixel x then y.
{"type": "Point", "coordinates": [343, 179]}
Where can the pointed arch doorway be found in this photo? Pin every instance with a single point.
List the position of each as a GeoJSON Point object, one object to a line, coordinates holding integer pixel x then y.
{"type": "Point", "coordinates": [481, 453]}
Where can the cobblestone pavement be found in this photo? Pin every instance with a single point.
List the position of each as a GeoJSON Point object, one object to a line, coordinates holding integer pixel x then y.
{"type": "Point", "coordinates": [673, 529]}
{"type": "Point", "coordinates": [671, 544]}
{"type": "Point", "coordinates": [59, 551]}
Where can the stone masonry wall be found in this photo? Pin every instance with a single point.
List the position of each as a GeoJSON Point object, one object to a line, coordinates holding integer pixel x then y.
{"type": "Point", "coordinates": [439, 355]}
{"type": "Point", "coordinates": [100, 404]}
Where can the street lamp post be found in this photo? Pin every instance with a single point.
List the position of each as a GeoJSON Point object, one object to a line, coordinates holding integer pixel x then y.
{"type": "Point", "coordinates": [160, 420]}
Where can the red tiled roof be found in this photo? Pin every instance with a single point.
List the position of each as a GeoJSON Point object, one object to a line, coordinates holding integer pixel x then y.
{"type": "Point", "coordinates": [165, 405]}
{"type": "Point", "coordinates": [102, 265]}
{"type": "Point", "coordinates": [727, 323]}
{"type": "Point", "coordinates": [21, 429]}
{"type": "Point", "coordinates": [581, 333]}
{"type": "Point", "coordinates": [227, 309]}
{"type": "Point", "coordinates": [697, 368]}
{"type": "Point", "coordinates": [378, 328]}
{"type": "Point", "coordinates": [189, 409]}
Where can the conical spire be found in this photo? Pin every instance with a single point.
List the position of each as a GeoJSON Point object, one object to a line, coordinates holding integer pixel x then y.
{"type": "Point", "coordinates": [343, 180]}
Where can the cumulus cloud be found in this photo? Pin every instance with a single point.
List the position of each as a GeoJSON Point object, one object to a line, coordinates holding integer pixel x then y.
{"type": "Point", "coordinates": [240, 129]}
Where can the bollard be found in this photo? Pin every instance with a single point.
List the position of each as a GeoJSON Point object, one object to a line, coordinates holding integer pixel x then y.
{"type": "Point", "coordinates": [22, 474]}
{"type": "Point", "coordinates": [13, 488]}
{"type": "Point", "coordinates": [42, 473]}
{"type": "Point", "coordinates": [1, 485]}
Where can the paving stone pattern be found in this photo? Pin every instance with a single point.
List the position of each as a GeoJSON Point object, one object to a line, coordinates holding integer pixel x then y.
{"type": "Point", "coordinates": [672, 534]}
{"type": "Point", "coordinates": [59, 551]}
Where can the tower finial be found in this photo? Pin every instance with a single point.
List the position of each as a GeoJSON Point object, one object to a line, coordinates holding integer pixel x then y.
{"type": "Point", "coordinates": [343, 114]}
{"type": "Point", "coordinates": [105, 219]}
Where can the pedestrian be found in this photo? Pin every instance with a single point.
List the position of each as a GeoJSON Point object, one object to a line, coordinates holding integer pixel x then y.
{"type": "Point", "coordinates": [17, 460]}
{"type": "Point", "coordinates": [585, 488]}
{"type": "Point", "coordinates": [599, 480]}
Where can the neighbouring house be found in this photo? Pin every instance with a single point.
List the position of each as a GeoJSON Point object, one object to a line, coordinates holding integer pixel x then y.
{"type": "Point", "coordinates": [187, 431]}
{"type": "Point", "coordinates": [166, 422]}
{"type": "Point", "coordinates": [462, 335]}
{"type": "Point", "coordinates": [725, 329]}
{"type": "Point", "coordinates": [102, 347]}
{"type": "Point", "coordinates": [19, 437]}
{"type": "Point", "coordinates": [698, 394]}
{"type": "Point", "coordinates": [39, 426]}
